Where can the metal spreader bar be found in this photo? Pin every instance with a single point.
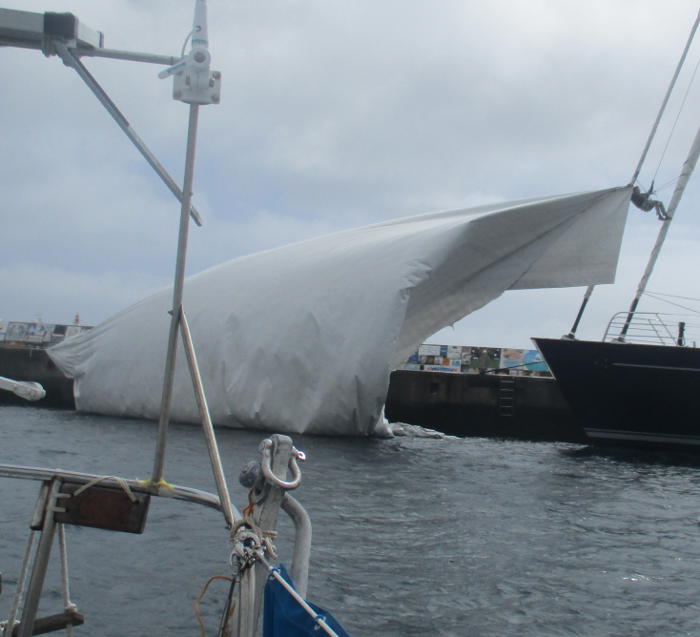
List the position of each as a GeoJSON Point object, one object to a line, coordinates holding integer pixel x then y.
{"type": "Point", "coordinates": [62, 34]}
{"type": "Point", "coordinates": [71, 60]}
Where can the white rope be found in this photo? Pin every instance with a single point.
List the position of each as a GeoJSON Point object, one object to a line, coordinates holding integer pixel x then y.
{"type": "Point", "coordinates": [67, 604]}
{"type": "Point", "coordinates": [120, 481]}
{"type": "Point", "coordinates": [11, 621]}
{"type": "Point", "coordinates": [247, 529]}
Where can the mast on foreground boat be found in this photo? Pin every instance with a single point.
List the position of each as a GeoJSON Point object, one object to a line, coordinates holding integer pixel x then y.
{"type": "Point", "coordinates": [116, 504]}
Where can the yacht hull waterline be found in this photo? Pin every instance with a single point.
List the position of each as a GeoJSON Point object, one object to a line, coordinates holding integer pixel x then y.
{"type": "Point", "coordinates": [628, 394]}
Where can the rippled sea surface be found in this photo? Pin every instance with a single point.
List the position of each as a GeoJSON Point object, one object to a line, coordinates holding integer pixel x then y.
{"type": "Point", "coordinates": [412, 536]}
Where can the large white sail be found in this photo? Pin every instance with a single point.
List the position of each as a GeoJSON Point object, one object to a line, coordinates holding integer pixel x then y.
{"type": "Point", "coordinates": [303, 338]}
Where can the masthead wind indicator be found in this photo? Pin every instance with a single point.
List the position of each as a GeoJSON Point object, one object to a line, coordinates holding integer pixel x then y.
{"type": "Point", "coordinates": [193, 81]}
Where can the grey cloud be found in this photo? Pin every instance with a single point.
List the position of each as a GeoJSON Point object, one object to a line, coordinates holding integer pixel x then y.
{"type": "Point", "coordinates": [335, 114]}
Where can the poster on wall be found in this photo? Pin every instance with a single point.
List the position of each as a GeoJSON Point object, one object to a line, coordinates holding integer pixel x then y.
{"type": "Point", "coordinates": [16, 331]}
{"type": "Point", "coordinates": [454, 352]}
{"type": "Point", "coordinates": [535, 363]}
{"type": "Point", "coordinates": [513, 359]}
{"type": "Point", "coordinates": [429, 350]}
{"type": "Point", "coordinates": [524, 362]}
{"type": "Point", "coordinates": [38, 333]}
{"type": "Point", "coordinates": [477, 360]}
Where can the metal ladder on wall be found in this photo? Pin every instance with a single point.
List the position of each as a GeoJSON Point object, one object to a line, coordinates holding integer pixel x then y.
{"type": "Point", "coordinates": [506, 396]}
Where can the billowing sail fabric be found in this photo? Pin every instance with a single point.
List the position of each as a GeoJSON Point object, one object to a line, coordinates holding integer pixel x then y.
{"type": "Point", "coordinates": [303, 338]}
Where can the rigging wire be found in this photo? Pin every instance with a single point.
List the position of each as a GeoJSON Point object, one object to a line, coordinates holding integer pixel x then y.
{"type": "Point", "coordinates": [635, 175]}
{"type": "Point", "coordinates": [675, 122]}
{"type": "Point", "coordinates": [666, 184]}
{"type": "Point", "coordinates": [675, 296]}
{"type": "Point", "coordinates": [665, 100]}
{"type": "Point", "coordinates": [684, 307]}
{"type": "Point", "coordinates": [229, 609]}
{"type": "Point", "coordinates": [590, 288]}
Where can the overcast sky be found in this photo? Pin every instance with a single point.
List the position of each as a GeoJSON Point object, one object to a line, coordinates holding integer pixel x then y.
{"type": "Point", "coordinates": [340, 114]}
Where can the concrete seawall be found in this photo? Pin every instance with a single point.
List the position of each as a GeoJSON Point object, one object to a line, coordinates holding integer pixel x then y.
{"type": "Point", "coordinates": [521, 407]}
{"type": "Point", "coordinates": [33, 363]}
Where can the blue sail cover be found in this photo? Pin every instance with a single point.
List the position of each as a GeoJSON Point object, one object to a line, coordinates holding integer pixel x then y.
{"type": "Point", "coordinates": [284, 617]}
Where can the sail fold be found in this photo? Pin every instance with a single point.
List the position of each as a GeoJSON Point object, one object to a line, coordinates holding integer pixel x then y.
{"type": "Point", "coordinates": [303, 338]}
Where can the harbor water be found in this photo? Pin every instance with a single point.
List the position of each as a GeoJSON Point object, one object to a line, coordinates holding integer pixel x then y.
{"type": "Point", "coordinates": [412, 536]}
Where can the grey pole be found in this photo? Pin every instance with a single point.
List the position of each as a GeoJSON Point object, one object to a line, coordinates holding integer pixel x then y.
{"type": "Point", "coordinates": [43, 551]}
{"type": "Point", "coordinates": [177, 296]}
{"type": "Point", "coordinates": [207, 425]}
{"type": "Point", "coordinates": [129, 56]}
{"type": "Point", "coordinates": [581, 310]}
{"type": "Point", "coordinates": [302, 542]}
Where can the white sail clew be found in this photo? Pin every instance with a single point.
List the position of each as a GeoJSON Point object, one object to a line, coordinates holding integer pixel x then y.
{"type": "Point", "coordinates": [303, 338]}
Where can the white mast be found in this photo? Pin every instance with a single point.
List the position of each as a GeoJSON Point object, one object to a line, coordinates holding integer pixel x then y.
{"type": "Point", "coordinates": [687, 170]}
{"type": "Point", "coordinates": [637, 170]}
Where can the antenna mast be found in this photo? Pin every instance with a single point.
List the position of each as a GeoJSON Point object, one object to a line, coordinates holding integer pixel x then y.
{"type": "Point", "coordinates": [194, 84]}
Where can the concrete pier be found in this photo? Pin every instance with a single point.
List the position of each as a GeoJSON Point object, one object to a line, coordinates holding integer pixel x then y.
{"type": "Point", "coordinates": [490, 405]}
{"type": "Point", "coordinates": [34, 364]}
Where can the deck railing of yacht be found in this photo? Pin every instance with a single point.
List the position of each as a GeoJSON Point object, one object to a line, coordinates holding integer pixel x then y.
{"type": "Point", "coordinates": [654, 328]}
